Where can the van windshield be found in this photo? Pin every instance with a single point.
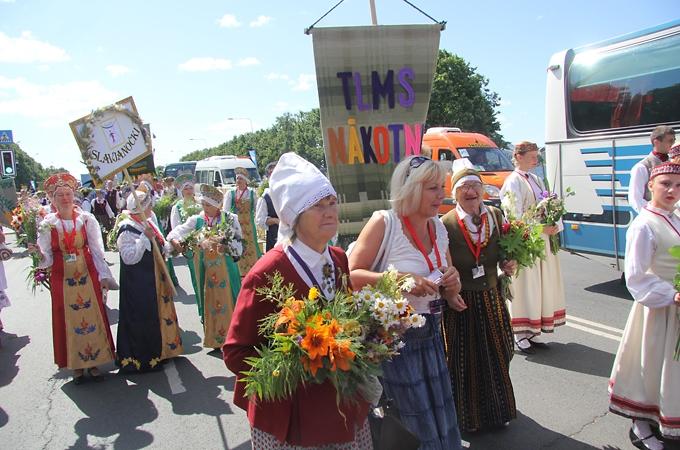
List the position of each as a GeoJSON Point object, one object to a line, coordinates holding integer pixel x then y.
{"type": "Point", "coordinates": [177, 169]}
{"type": "Point", "coordinates": [487, 159]}
{"type": "Point", "coordinates": [229, 176]}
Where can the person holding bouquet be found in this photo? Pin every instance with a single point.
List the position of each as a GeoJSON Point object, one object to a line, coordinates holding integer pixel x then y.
{"type": "Point", "coordinates": [412, 239]}
{"type": "Point", "coordinates": [644, 381]}
{"type": "Point", "coordinates": [313, 416]}
{"type": "Point", "coordinates": [212, 240]}
{"type": "Point", "coordinates": [538, 304]}
{"type": "Point", "coordinates": [242, 201]}
{"type": "Point", "coordinates": [187, 205]}
{"type": "Point", "coordinates": [70, 244]}
{"type": "Point", "coordinates": [478, 339]}
{"type": "Point", "coordinates": [148, 331]}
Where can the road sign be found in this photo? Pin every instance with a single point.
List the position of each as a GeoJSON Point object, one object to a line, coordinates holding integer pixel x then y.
{"type": "Point", "coordinates": [6, 137]}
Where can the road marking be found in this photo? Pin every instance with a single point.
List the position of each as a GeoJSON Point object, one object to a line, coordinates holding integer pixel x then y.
{"type": "Point", "coordinates": [594, 331]}
{"type": "Point", "coordinates": [594, 324]}
{"type": "Point", "coordinates": [176, 386]}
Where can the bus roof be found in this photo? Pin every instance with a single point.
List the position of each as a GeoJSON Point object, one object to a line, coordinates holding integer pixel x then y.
{"type": "Point", "coordinates": [629, 36]}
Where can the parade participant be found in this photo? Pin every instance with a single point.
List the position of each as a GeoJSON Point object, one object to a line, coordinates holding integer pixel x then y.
{"type": "Point", "coordinates": [182, 209]}
{"type": "Point", "coordinates": [4, 298]}
{"type": "Point", "coordinates": [644, 380]}
{"type": "Point", "coordinates": [312, 417]}
{"type": "Point", "coordinates": [478, 340]}
{"type": "Point", "coordinates": [214, 273]}
{"type": "Point", "coordinates": [148, 330]}
{"type": "Point", "coordinates": [169, 187]}
{"type": "Point", "coordinates": [242, 201]}
{"type": "Point", "coordinates": [538, 304]}
{"type": "Point", "coordinates": [412, 239]}
{"type": "Point", "coordinates": [70, 244]}
{"type": "Point", "coordinates": [662, 138]}
{"type": "Point", "coordinates": [674, 154]}
{"type": "Point", "coordinates": [113, 197]}
{"type": "Point", "coordinates": [85, 204]}
{"type": "Point", "coordinates": [102, 211]}
{"type": "Point", "coordinates": [265, 214]}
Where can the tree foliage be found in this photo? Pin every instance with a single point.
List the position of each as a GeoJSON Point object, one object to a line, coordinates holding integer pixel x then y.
{"type": "Point", "coordinates": [300, 132]}
{"type": "Point", "coordinates": [28, 169]}
{"type": "Point", "coordinates": [461, 98]}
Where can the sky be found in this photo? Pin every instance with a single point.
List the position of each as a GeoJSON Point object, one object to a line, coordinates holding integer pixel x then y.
{"type": "Point", "coordinates": [203, 71]}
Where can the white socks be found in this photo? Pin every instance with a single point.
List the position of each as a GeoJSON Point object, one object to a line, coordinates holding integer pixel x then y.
{"type": "Point", "coordinates": [642, 430]}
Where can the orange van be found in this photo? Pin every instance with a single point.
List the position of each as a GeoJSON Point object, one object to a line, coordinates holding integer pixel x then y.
{"type": "Point", "coordinates": [449, 143]}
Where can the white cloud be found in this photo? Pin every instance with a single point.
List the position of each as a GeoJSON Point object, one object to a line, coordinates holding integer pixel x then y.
{"type": "Point", "coordinates": [304, 82]}
{"type": "Point", "coordinates": [117, 70]}
{"type": "Point", "coordinates": [281, 106]}
{"type": "Point", "coordinates": [249, 61]}
{"type": "Point", "coordinates": [260, 21]}
{"type": "Point", "coordinates": [277, 76]}
{"type": "Point", "coordinates": [44, 67]}
{"type": "Point", "coordinates": [229, 21]}
{"type": "Point", "coordinates": [27, 49]}
{"type": "Point", "coordinates": [231, 126]}
{"type": "Point", "coordinates": [52, 104]}
{"type": "Point", "coordinates": [205, 64]}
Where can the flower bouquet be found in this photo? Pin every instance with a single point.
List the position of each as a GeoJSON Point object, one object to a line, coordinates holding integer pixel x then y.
{"type": "Point", "coordinates": [220, 237]}
{"type": "Point", "coordinates": [549, 211]}
{"type": "Point", "coordinates": [675, 252]}
{"type": "Point", "coordinates": [344, 340]}
{"type": "Point", "coordinates": [112, 235]}
{"type": "Point", "coordinates": [26, 219]}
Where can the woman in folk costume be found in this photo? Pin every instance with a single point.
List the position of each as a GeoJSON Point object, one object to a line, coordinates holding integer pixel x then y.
{"type": "Point", "coordinates": [478, 340]}
{"type": "Point", "coordinates": [214, 273]}
{"type": "Point", "coordinates": [311, 417]}
{"type": "Point", "coordinates": [538, 293]}
{"type": "Point", "coordinates": [411, 237]}
{"type": "Point", "coordinates": [4, 298]}
{"type": "Point", "coordinates": [187, 205]}
{"type": "Point", "coordinates": [645, 380]}
{"type": "Point", "coordinates": [148, 331]}
{"type": "Point", "coordinates": [70, 243]}
{"type": "Point", "coordinates": [242, 201]}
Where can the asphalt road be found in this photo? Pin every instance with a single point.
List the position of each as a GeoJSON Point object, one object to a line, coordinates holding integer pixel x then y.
{"type": "Point", "coordinates": [561, 393]}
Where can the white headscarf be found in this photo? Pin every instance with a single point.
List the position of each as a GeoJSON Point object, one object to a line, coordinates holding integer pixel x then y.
{"type": "Point", "coordinates": [144, 201]}
{"type": "Point", "coordinates": [295, 186]}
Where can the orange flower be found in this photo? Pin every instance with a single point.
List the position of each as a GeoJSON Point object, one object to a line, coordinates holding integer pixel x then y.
{"type": "Point", "coordinates": [334, 327]}
{"type": "Point", "coordinates": [316, 341]}
{"type": "Point", "coordinates": [341, 355]}
{"type": "Point", "coordinates": [312, 365]}
{"type": "Point", "coordinates": [297, 305]}
{"type": "Point", "coordinates": [315, 321]}
{"type": "Point", "coordinates": [287, 316]}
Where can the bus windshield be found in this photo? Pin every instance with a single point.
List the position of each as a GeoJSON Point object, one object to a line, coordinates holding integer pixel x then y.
{"type": "Point", "coordinates": [629, 86]}
{"type": "Point", "coordinates": [229, 176]}
{"type": "Point", "coordinates": [487, 159]}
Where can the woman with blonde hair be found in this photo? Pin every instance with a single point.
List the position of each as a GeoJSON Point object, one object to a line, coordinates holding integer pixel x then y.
{"type": "Point", "coordinates": [411, 238]}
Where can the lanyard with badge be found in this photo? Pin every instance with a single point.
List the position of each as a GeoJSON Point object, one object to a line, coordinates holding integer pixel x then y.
{"type": "Point", "coordinates": [307, 270]}
{"type": "Point", "coordinates": [436, 306]}
{"type": "Point", "coordinates": [69, 240]}
{"type": "Point", "coordinates": [476, 250]}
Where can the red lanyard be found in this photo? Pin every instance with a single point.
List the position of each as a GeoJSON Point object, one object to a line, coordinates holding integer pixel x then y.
{"type": "Point", "coordinates": [69, 237]}
{"type": "Point", "coordinates": [239, 197]}
{"type": "Point", "coordinates": [666, 219]}
{"type": "Point", "coordinates": [156, 233]}
{"type": "Point", "coordinates": [476, 251]}
{"type": "Point", "coordinates": [420, 246]}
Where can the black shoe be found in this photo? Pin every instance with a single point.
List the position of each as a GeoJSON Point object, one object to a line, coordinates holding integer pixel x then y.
{"type": "Point", "coordinates": [80, 379]}
{"type": "Point", "coordinates": [96, 377]}
{"type": "Point", "coordinates": [638, 441]}
{"type": "Point", "coordinates": [528, 350]}
{"type": "Point", "coordinates": [541, 345]}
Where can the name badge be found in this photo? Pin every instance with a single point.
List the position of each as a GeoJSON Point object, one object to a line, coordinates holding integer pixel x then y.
{"type": "Point", "coordinates": [477, 272]}
{"type": "Point", "coordinates": [70, 257]}
{"type": "Point", "coordinates": [435, 276]}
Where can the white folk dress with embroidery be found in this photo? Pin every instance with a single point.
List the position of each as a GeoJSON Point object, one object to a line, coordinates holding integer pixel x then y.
{"type": "Point", "coordinates": [132, 246]}
{"type": "Point", "coordinates": [645, 378]}
{"type": "Point", "coordinates": [538, 303]}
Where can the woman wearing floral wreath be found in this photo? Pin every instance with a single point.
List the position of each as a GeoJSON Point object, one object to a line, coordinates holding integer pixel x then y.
{"type": "Point", "coordinates": [183, 208]}
{"type": "Point", "coordinates": [414, 240]}
{"type": "Point", "coordinates": [243, 201]}
{"type": "Point", "coordinates": [645, 379]}
{"type": "Point", "coordinates": [214, 274]}
{"type": "Point", "coordinates": [538, 304]}
{"type": "Point", "coordinates": [478, 340]}
{"type": "Point", "coordinates": [70, 244]}
{"type": "Point", "coordinates": [148, 331]}
{"type": "Point", "coordinates": [311, 417]}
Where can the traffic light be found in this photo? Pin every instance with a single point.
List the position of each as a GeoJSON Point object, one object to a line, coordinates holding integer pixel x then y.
{"type": "Point", "coordinates": [8, 167]}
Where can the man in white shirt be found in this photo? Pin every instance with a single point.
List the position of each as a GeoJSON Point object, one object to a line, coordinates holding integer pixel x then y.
{"type": "Point", "coordinates": [663, 137]}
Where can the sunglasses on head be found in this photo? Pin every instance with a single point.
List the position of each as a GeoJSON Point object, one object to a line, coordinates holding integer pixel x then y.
{"type": "Point", "coordinates": [416, 162]}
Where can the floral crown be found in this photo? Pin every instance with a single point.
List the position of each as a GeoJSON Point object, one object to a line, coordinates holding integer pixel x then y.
{"type": "Point", "coordinates": [60, 180]}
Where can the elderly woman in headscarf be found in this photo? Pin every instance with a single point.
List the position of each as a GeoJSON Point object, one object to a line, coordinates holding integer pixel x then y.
{"type": "Point", "coordinates": [214, 273]}
{"type": "Point", "coordinates": [538, 304]}
{"type": "Point", "coordinates": [478, 340]}
{"type": "Point", "coordinates": [70, 244]}
{"type": "Point", "coordinates": [148, 331]}
{"type": "Point", "coordinates": [311, 417]}
{"type": "Point", "coordinates": [243, 201]}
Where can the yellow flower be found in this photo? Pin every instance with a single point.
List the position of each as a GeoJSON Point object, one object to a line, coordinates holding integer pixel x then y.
{"type": "Point", "coordinates": [276, 373]}
{"type": "Point", "coordinates": [313, 293]}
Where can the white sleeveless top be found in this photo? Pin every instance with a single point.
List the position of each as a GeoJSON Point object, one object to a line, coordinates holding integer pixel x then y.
{"type": "Point", "coordinates": [406, 258]}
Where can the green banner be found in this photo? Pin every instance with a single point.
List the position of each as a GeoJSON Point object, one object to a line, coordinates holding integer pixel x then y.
{"type": "Point", "coordinates": [374, 87]}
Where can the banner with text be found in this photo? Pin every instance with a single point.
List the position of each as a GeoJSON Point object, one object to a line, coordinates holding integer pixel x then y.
{"type": "Point", "coordinates": [374, 87]}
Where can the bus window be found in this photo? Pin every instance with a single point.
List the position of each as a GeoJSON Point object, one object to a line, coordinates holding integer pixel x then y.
{"type": "Point", "coordinates": [625, 87]}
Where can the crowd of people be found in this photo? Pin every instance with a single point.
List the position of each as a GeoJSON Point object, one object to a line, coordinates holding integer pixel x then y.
{"type": "Point", "coordinates": [451, 376]}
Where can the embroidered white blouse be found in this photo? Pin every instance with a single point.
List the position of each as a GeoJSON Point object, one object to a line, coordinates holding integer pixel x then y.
{"type": "Point", "coordinates": [316, 262]}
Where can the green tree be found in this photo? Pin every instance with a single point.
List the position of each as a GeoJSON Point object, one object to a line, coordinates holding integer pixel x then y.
{"type": "Point", "coordinates": [461, 98]}
{"type": "Point", "coordinates": [28, 169]}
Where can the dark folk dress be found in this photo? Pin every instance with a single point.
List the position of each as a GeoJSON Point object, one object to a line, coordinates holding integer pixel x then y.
{"type": "Point", "coordinates": [478, 340]}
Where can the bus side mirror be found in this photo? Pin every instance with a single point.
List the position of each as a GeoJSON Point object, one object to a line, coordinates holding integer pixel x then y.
{"type": "Point", "coordinates": [216, 183]}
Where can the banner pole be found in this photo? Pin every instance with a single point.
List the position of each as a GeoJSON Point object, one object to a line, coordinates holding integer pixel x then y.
{"type": "Point", "coordinates": [154, 244]}
{"type": "Point", "coordinates": [374, 15]}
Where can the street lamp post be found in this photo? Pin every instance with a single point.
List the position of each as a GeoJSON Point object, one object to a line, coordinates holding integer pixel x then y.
{"type": "Point", "coordinates": [205, 141]}
{"type": "Point", "coordinates": [243, 118]}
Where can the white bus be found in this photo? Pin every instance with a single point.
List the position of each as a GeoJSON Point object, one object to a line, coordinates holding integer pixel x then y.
{"type": "Point", "coordinates": [602, 102]}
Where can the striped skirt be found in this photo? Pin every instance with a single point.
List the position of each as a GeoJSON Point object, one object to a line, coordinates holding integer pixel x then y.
{"type": "Point", "coordinates": [418, 383]}
{"type": "Point", "coordinates": [479, 348]}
